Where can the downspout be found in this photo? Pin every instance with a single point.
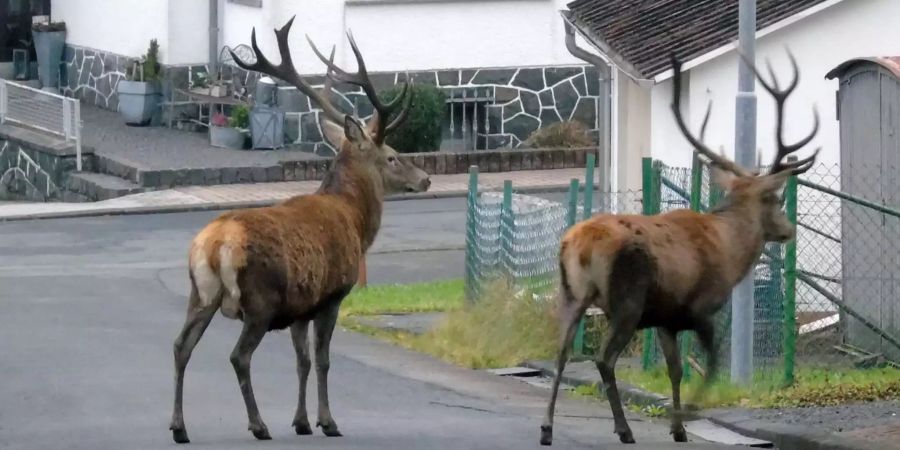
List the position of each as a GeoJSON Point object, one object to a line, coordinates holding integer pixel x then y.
{"type": "Point", "coordinates": [213, 37]}
{"type": "Point", "coordinates": [606, 94]}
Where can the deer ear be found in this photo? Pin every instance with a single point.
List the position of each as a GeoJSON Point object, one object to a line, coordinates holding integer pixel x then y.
{"type": "Point", "coordinates": [333, 132]}
{"type": "Point", "coordinates": [722, 178]}
{"type": "Point", "coordinates": [353, 130]}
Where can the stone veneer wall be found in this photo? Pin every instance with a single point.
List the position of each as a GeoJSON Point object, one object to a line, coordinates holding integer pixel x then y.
{"type": "Point", "coordinates": [35, 167]}
{"type": "Point", "coordinates": [520, 100]}
{"type": "Point", "coordinates": [92, 75]}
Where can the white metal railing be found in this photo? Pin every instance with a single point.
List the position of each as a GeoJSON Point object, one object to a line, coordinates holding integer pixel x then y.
{"type": "Point", "coordinates": [41, 110]}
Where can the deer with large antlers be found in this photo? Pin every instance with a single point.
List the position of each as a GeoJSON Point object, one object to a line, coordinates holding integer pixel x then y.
{"type": "Point", "coordinates": [293, 263]}
{"type": "Point", "coordinates": [674, 271]}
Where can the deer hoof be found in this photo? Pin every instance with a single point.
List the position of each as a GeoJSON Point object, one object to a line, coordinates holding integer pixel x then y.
{"type": "Point", "coordinates": [680, 435]}
{"type": "Point", "coordinates": [179, 435]}
{"type": "Point", "coordinates": [546, 434]}
{"type": "Point", "coordinates": [302, 429]}
{"type": "Point", "coordinates": [330, 429]}
{"type": "Point", "coordinates": [260, 432]}
{"type": "Point", "coordinates": [626, 437]}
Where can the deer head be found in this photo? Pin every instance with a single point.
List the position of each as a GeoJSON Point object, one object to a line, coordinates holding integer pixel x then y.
{"type": "Point", "coordinates": [751, 192]}
{"type": "Point", "coordinates": [365, 144]}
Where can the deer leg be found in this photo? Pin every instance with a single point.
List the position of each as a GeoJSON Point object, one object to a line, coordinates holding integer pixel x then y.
{"type": "Point", "coordinates": [251, 335]}
{"type": "Point", "coordinates": [706, 334]}
{"type": "Point", "coordinates": [668, 340]}
{"type": "Point", "coordinates": [195, 324]}
{"type": "Point", "coordinates": [300, 337]}
{"type": "Point", "coordinates": [324, 327]}
{"type": "Point", "coordinates": [570, 316]}
{"type": "Point", "coordinates": [620, 334]}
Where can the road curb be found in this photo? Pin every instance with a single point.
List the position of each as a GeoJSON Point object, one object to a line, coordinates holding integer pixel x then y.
{"type": "Point", "coordinates": [785, 437]}
{"type": "Point", "coordinates": [629, 393]}
{"type": "Point", "coordinates": [224, 206]}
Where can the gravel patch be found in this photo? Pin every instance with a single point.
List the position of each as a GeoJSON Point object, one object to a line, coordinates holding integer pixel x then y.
{"type": "Point", "coordinates": [835, 418]}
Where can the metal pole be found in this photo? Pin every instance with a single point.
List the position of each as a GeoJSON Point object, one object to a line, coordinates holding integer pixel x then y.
{"type": "Point", "coordinates": [745, 155]}
{"type": "Point", "coordinates": [213, 36]}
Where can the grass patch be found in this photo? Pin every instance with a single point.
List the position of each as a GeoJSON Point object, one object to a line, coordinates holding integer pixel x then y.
{"type": "Point", "coordinates": [436, 296]}
{"type": "Point", "coordinates": [813, 387]}
{"type": "Point", "coordinates": [499, 330]}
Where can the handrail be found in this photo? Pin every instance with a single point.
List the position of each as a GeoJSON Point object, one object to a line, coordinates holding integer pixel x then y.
{"type": "Point", "coordinates": [851, 198]}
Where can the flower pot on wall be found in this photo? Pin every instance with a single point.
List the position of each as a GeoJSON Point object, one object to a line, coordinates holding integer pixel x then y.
{"type": "Point", "coordinates": [138, 101]}
{"type": "Point", "coordinates": [227, 137]}
{"type": "Point", "coordinates": [49, 47]}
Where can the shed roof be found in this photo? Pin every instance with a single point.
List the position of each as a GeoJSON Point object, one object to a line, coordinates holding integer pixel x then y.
{"type": "Point", "coordinates": [642, 33]}
{"type": "Point", "coordinates": [891, 63]}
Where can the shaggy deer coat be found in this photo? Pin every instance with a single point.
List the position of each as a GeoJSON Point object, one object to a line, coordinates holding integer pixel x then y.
{"type": "Point", "coordinates": [289, 264]}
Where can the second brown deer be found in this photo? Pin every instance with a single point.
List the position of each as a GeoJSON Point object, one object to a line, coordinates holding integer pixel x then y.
{"type": "Point", "coordinates": [674, 271]}
{"type": "Point", "coordinates": [293, 263]}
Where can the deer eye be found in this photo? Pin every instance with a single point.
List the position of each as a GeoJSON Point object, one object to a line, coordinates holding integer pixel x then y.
{"type": "Point", "coordinates": [392, 159]}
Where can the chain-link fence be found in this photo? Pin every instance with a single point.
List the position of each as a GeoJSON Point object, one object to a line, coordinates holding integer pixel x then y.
{"type": "Point", "coordinates": [825, 300]}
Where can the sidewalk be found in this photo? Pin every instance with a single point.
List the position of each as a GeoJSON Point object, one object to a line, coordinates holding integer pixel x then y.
{"type": "Point", "coordinates": [221, 197]}
{"type": "Point", "coordinates": [861, 426]}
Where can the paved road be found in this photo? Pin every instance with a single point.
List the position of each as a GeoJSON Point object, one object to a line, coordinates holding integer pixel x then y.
{"type": "Point", "coordinates": [91, 306]}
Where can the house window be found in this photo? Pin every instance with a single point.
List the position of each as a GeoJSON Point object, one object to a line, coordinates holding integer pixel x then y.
{"type": "Point", "coordinates": [15, 25]}
{"type": "Point", "coordinates": [465, 120]}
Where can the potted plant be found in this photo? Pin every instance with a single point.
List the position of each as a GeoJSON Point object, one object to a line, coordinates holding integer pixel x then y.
{"type": "Point", "coordinates": [140, 92]}
{"type": "Point", "coordinates": [49, 45]}
{"type": "Point", "coordinates": [229, 132]}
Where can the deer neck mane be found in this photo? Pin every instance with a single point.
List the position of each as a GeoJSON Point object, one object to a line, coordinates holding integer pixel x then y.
{"type": "Point", "coordinates": [741, 229]}
{"type": "Point", "coordinates": [362, 187]}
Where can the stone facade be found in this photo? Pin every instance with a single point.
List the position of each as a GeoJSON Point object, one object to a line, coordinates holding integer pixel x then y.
{"type": "Point", "coordinates": [34, 167]}
{"type": "Point", "coordinates": [92, 76]}
{"type": "Point", "coordinates": [518, 100]}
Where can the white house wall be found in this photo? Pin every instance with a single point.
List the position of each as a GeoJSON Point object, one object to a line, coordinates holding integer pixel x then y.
{"type": "Point", "coordinates": [122, 27]}
{"type": "Point", "coordinates": [397, 36]}
{"type": "Point", "coordinates": [821, 42]}
{"type": "Point", "coordinates": [188, 32]}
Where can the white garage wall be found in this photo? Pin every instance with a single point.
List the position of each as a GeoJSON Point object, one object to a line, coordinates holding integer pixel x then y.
{"type": "Point", "coordinates": [847, 30]}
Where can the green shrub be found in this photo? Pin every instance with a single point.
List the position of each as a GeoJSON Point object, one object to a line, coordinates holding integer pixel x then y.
{"type": "Point", "coordinates": [569, 134]}
{"type": "Point", "coordinates": [421, 132]}
{"type": "Point", "coordinates": [240, 117]}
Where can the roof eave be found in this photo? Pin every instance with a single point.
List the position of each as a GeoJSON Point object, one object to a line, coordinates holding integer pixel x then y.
{"type": "Point", "coordinates": [605, 50]}
{"type": "Point", "coordinates": [713, 54]}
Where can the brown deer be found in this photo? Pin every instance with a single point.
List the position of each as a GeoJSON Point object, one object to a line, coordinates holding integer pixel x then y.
{"type": "Point", "coordinates": [292, 263]}
{"type": "Point", "coordinates": [673, 271]}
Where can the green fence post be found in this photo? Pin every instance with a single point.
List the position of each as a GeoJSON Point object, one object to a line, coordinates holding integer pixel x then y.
{"type": "Point", "coordinates": [790, 285]}
{"type": "Point", "coordinates": [572, 216]}
{"type": "Point", "coordinates": [650, 192]}
{"type": "Point", "coordinates": [589, 186]}
{"type": "Point", "coordinates": [507, 222]}
{"type": "Point", "coordinates": [696, 200]}
{"type": "Point", "coordinates": [471, 244]}
{"type": "Point", "coordinates": [571, 219]}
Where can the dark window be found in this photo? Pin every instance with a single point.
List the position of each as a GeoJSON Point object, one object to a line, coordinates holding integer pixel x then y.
{"type": "Point", "coordinates": [15, 25]}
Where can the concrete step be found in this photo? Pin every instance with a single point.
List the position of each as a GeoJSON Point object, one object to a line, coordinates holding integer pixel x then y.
{"type": "Point", "coordinates": [99, 186]}
{"type": "Point", "coordinates": [307, 168]}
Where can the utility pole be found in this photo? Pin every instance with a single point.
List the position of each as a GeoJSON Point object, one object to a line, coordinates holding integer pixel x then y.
{"type": "Point", "coordinates": [742, 316]}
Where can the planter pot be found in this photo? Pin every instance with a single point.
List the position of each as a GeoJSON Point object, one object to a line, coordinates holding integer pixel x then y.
{"type": "Point", "coordinates": [227, 137]}
{"type": "Point", "coordinates": [49, 47]}
{"type": "Point", "coordinates": [138, 101]}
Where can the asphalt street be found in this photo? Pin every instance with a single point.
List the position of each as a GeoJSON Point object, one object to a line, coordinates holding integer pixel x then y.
{"type": "Point", "coordinates": [91, 306]}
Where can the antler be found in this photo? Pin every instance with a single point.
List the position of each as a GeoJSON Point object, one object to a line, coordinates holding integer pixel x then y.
{"type": "Point", "coordinates": [361, 79]}
{"type": "Point", "coordinates": [780, 96]}
{"type": "Point", "coordinates": [286, 71]}
{"type": "Point", "coordinates": [699, 146]}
